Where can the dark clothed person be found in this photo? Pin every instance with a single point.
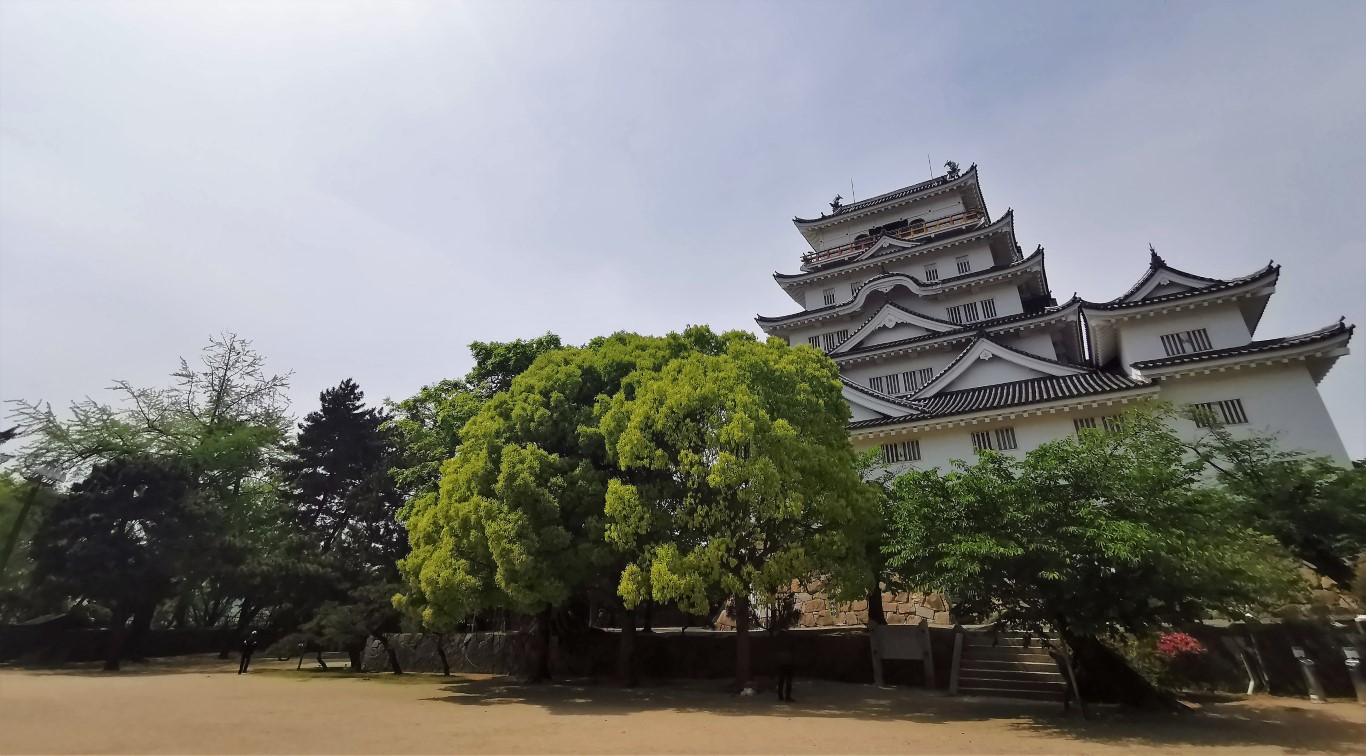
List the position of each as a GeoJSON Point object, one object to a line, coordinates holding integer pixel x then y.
{"type": "Point", "coordinates": [782, 655]}
{"type": "Point", "coordinates": [248, 648]}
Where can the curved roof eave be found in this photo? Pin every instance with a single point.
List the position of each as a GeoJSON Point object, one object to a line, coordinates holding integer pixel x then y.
{"type": "Point", "coordinates": [1272, 271]}
{"type": "Point", "coordinates": [1005, 322]}
{"type": "Point", "coordinates": [858, 209]}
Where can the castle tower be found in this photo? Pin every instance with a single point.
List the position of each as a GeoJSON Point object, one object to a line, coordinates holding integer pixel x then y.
{"type": "Point", "coordinates": [949, 339]}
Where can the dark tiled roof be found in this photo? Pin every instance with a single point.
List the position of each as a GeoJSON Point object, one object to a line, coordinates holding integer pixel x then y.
{"type": "Point", "coordinates": [952, 280]}
{"type": "Point", "coordinates": [890, 196]}
{"type": "Point", "coordinates": [968, 331]}
{"type": "Point", "coordinates": [1265, 345]}
{"type": "Point", "coordinates": [928, 240]}
{"type": "Point", "coordinates": [1015, 393]}
{"type": "Point", "coordinates": [1270, 271]}
{"type": "Point", "coordinates": [877, 394]}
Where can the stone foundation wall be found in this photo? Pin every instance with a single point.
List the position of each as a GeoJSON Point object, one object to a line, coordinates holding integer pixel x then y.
{"type": "Point", "coordinates": [906, 608]}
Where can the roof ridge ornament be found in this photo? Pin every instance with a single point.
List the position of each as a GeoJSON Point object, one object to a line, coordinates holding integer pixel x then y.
{"type": "Point", "coordinates": [835, 205]}
{"type": "Point", "coordinates": [952, 170]}
{"type": "Point", "coordinates": [1154, 260]}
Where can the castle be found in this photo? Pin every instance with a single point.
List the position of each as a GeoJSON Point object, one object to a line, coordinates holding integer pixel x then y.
{"type": "Point", "coordinates": [949, 339]}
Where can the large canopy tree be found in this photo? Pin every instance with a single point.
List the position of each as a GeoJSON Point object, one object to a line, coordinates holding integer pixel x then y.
{"type": "Point", "coordinates": [126, 537]}
{"type": "Point", "coordinates": [1112, 531]}
{"type": "Point", "coordinates": [518, 523]}
{"type": "Point", "coordinates": [745, 480]}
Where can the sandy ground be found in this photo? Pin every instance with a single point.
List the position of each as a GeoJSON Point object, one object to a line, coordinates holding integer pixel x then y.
{"type": "Point", "coordinates": [202, 706]}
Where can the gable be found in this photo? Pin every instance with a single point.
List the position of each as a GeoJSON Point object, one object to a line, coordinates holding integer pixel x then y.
{"type": "Point", "coordinates": [891, 323]}
{"type": "Point", "coordinates": [894, 333]}
{"type": "Point", "coordinates": [1162, 290]}
{"type": "Point", "coordinates": [991, 371]}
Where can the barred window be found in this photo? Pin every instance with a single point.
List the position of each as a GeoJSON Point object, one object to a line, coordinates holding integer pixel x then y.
{"type": "Point", "coordinates": [932, 272]}
{"type": "Point", "coordinates": [1186, 342]}
{"type": "Point", "coordinates": [814, 341]}
{"type": "Point", "coordinates": [968, 311]}
{"type": "Point", "coordinates": [914, 380]}
{"type": "Point", "coordinates": [829, 296]}
{"type": "Point", "coordinates": [905, 451]}
{"type": "Point", "coordinates": [981, 440]}
{"type": "Point", "coordinates": [894, 383]}
{"type": "Point", "coordinates": [964, 264]}
{"type": "Point", "coordinates": [1005, 438]}
{"type": "Point", "coordinates": [834, 338]}
{"type": "Point", "coordinates": [887, 384]}
{"type": "Point", "coordinates": [1109, 423]}
{"type": "Point", "coordinates": [1225, 412]}
{"type": "Point", "coordinates": [878, 383]}
{"type": "Point", "coordinates": [989, 308]}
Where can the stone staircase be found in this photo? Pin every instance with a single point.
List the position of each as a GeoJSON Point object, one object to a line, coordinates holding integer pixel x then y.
{"type": "Point", "coordinates": [1002, 665]}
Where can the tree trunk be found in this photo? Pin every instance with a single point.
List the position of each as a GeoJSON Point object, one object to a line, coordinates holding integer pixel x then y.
{"type": "Point", "coordinates": [357, 656]}
{"type": "Point", "coordinates": [142, 622]}
{"type": "Point", "coordinates": [1104, 675]}
{"type": "Point", "coordinates": [626, 650]}
{"type": "Point", "coordinates": [742, 666]}
{"type": "Point", "coordinates": [648, 625]}
{"type": "Point", "coordinates": [876, 616]}
{"type": "Point", "coordinates": [118, 633]}
{"type": "Point", "coordinates": [538, 660]}
{"type": "Point", "coordinates": [441, 652]}
{"type": "Point", "coordinates": [389, 651]}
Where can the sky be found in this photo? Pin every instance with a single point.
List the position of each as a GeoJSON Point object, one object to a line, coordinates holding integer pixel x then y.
{"type": "Point", "coordinates": [362, 189]}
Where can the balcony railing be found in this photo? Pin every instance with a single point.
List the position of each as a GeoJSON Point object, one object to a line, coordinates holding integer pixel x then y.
{"type": "Point", "coordinates": [853, 248]}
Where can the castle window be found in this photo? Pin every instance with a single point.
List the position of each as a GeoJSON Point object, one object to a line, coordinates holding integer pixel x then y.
{"type": "Point", "coordinates": [886, 384]}
{"type": "Point", "coordinates": [1005, 439]}
{"type": "Point", "coordinates": [988, 308]}
{"type": "Point", "coordinates": [1225, 412]}
{"type": "Point", "coordinates": [1185, 342]}
{"type": "Point", "coordinates": [932, 272]}
{"type": "Point", "coordinates": [981, 440]}
{"type": "Point", "coordinates": [829, 296]}
{"type": "Point", "coordinates": [814, 341]}
{"type": "Point", "coordinates": [834, 338]}
{"type": "Point", "coordinates": [1109, 423]}
{"type": "Point", "coordinates": [914, 380]}
{"type": "Point", "coordinates": [964, 313]}
{"type": "Point", "coordinates": [906, 451]}
{"type": "Point", "coordinates": [964, 264]}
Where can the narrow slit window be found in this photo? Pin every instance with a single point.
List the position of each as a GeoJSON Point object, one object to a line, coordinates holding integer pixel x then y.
{"type": "Point", "coordinates": [989, 308]}
{"type": "Point", "coordinates": [1005, 438]}
{"type": "Point", "coordinates": [1224, 412]}
{"type": "Point", "coordinates": [878, 384]}
{"type": "Point", "coordinates": [828, 296]}
{"type": "Point", "coordinates": [964, 264]}
{"type": "Point", "coordinates": [905, 451]}
{"type": "Point", "coordinates": [932, 272]}
{"type": "Point", "coordinates": [981, 440]}
{"type": "Point", "coordinates": [1186, 342]}
{"type": "Point", "coordinates": [814, 341]}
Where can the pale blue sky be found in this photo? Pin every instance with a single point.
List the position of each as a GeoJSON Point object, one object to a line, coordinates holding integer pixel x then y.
{"type": "Point", "coordinates": [363, 189]}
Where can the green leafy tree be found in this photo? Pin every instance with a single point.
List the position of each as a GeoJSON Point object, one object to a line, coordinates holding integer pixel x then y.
{"type": "Point", "coordinates": [367, 612]}
{"type": "Point", "coordinates": [744, 450]}
{"type": "Point", "coordinates": [1314, 507]}
{"type": "Point", "coordinates": [125, 537]}
{"type": "Point", "coordinates": [1092, 536]}
{"type": "Point", "coordinates": [223, 419]}
{"type": "Point", "coordinates": [518, 523]}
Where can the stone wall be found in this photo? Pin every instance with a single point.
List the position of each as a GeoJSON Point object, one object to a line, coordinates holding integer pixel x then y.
{"type": "Point", "coordinates": [906, 608]}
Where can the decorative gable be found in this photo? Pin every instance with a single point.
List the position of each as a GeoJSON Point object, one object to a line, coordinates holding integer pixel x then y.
{"type": "Point", "coordinates": [987, 363]}
{"type": "Point", "coordinates": [1164, 281]}
{"type": "Point", "coordinates": [893, 322]}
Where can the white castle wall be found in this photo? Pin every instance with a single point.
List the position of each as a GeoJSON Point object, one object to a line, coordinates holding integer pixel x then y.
{"type": "Point", "coordinates": [1141, 339]}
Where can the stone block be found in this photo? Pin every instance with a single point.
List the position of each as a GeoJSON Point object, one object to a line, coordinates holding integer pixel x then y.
{"type": "Point", "coordinates": [936, 602]}
{"type": "Point", "coordinates": [941, 618]}
{"type": "Point", "coordinates": [888, 599]}
{"type": "Point", "coordinates": [1324, 598]}
{"type": "Point", "coordinates": [924, 611]}
{"type": "Point", "coordinates": [903, 597]}
{"type": "Point", "coordinates": [859, 606]}
{"type": "Point", "coordinates": [824, 621]}
{"type": "Point", "coordinates": [814, 605]}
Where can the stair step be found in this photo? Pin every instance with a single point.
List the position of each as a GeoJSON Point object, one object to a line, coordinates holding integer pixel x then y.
{"type": "Point", "coordinates": [1032, 695]}
{"type": "Point", "coordinates": [972, 639]}
{"type": "Point", "coordinates": [1005, 665]}
{"type": "Point", "coordinates": [996, 683]}
{"type": "Point", "coordinates": [1041, 675]}
{"type": "Point", "coordinates": [1005, 653]}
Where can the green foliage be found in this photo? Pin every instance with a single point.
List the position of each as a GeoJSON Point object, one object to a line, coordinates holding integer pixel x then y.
{"type": "Point", "coordinates": [1108, 532]}
{"type": "Point", "coordinates": [517, 521]}
{"type": "Point", "coordinates": [738, 476]}
{"type": "Point", "coordinates": [1311, 505]}
{"type": "Point", "coordinates": [127, 535]}
{"type": "Point", "coordinates": [427, 425]}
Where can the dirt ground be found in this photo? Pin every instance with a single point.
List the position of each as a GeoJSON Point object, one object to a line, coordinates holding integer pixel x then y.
{"type": "Point", "coordinates": [202, 706]}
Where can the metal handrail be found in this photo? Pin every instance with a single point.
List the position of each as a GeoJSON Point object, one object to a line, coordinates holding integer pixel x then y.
{"type": "Point", "coordinates": [859, 245]}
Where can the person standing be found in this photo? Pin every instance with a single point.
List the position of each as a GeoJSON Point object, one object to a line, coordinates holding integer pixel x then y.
{"type": "Point", "coordinates": [248, 648]}
{"type": "Point", "coordinates": [782, 654]}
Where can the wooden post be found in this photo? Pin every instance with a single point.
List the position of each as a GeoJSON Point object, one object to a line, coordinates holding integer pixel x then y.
{"type": "Point", "coordinates": [928, 651]}
{"type": "Point", "coordinates": [957, 657]}
{"type": "Point", "coordinates": [1311, 676]}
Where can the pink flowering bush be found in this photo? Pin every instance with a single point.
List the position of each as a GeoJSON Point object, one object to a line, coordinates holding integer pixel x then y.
{"type": "Point", "coordinates": [1172, 646]}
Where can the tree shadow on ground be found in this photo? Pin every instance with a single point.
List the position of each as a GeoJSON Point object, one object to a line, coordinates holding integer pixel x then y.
{"type": "Point", "coordinates": [1287, 724]}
